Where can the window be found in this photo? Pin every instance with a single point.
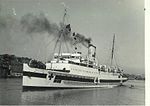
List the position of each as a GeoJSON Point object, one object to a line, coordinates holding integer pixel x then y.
{"type": "Point", "coordinates": [57, 81]}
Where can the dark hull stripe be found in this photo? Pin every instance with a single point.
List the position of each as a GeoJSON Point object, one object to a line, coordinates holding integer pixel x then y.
{"type": "Point", "coordinates": [110, 81]}
{"type": "Point", "coordinates": [69, 78]}
{"type": "Point", "coordinates": [39, 88]}
{"type": "Point", "coordinates": [32, 88]}
{"type": "Point", "coordinates": [73, 78]}
{"type": "Point", "coordinates": [61, 70]}
{"type": "Point", "coordinates": [33, 74]}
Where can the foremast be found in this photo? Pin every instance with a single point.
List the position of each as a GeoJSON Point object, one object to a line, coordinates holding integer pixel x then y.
{"type": "Point", "coordinates": [112, 51]}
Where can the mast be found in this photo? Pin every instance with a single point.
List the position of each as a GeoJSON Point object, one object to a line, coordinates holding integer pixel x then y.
{"type": "Point", "coordinates": [112, 52]}
{"type": "Point", "coordinates": [65, 13]}
{"type": "Point", "coordinates": [62, 30]}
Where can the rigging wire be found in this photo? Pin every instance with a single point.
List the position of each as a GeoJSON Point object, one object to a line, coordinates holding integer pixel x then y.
{"type": "Point", "coordinates": [55, 46]}
{"type": "Point", "coordinates": [108, 54]}
{"type": "Point", "coordinates": [51, 41]}
{"type": "Point", "coordinates": [38, 51]}
{"type": "Point", "coordinates": [48, 44]}
{"type": "Point", "coordinates": [60, 45]}
{"type": "Point", "coordinates": [116, 61]}
{"type": "Point", "coordinates": [66, 44]}
{"type": "Point", "coordinates": [98, 60]}
{"type": "Point", "coordinates": [57, 42]}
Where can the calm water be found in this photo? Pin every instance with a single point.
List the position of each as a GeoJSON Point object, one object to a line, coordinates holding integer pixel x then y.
{"type": "Point", "coordinates": [11, 93]}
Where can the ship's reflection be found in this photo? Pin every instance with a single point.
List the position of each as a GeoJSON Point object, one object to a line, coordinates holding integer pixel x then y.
{"type": "Point", "coordinates": [93, 96]}
{"type": "Point", "coordinates": [63, 97]}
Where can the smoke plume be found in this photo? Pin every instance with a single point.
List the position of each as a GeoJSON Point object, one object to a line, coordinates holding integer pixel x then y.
{"type": "Point", "coordinates": [82, 39]}
{"type": "Point", "coordinates": [16, 34]}
{"type": "Point", "coordinates": [38, 24]}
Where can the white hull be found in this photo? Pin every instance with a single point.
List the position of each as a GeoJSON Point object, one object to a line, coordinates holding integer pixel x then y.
{"type": "Point", "coordinates": [39, 78]}
{"type": "Point", "coordinates": [43, 82]}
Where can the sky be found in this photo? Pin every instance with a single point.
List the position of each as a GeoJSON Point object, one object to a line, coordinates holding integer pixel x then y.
{"type": "Point", "coordinates": [97, 19]}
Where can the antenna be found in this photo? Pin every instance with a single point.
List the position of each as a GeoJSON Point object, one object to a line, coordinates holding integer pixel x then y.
{"type": "Point", "coordinates": [112, 52]}
{"type": "Point", "coordinates": [65, 12]}
{"type": "Point", "coordinates": [63, 27]}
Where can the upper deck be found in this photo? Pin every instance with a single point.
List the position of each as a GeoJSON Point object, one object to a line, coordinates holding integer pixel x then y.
{"type": "Point", "coordinates": [78, 60]}
{"type": "Point", "coordinates": [73, 58]}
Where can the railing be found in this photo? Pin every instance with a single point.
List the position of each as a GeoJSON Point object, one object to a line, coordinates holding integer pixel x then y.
{"type": "Point", "coordinates": [81, 64]}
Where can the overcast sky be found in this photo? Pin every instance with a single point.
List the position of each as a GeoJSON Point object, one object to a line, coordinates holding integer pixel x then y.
{"type": "Point", "coordinates": [98, 19]}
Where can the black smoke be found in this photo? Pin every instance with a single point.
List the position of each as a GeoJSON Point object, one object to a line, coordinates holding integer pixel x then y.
{"type": "Point", "coordinates": [81, 39]}
{"type": "Point", "coordinates": [16, 34]}
{"type": "Point", "coordinates": [38, 24]}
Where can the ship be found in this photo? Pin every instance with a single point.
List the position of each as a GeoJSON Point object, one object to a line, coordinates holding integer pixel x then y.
{"type": "Point", "coordinates": [70, 70]}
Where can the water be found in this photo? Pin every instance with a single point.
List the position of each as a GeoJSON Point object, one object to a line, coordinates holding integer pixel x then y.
{"type": "Point", "coordinates": [11, 93]}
